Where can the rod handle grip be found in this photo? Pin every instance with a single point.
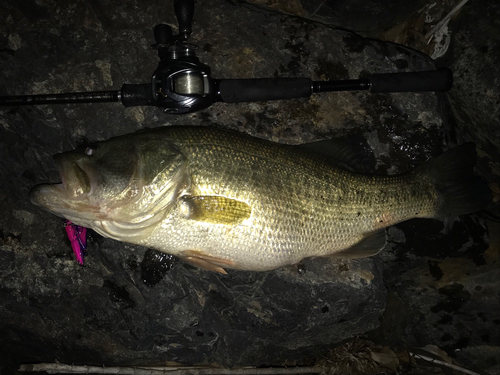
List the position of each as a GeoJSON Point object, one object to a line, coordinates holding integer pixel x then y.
{"type": "Point", "coordinates": [263, 89]}
{"type": "Point", "coordinates": [432, 80]}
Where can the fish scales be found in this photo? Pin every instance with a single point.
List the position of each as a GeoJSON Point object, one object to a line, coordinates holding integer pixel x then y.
{"type": "Point", "coordinates": [220, 199]}
{"type": "Point", "coordinates": [302, 205]}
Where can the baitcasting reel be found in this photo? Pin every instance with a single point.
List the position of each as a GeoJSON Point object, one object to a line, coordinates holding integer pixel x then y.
{"type": "Point", "coordinates": [181, 83]}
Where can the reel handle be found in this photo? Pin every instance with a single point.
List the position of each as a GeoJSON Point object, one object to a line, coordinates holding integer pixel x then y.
{"type": "Point", "coordinates": [184, 11]}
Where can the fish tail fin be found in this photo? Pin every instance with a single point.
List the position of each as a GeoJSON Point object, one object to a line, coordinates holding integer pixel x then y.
{"type": "Point", "coordinates": [460, 191]}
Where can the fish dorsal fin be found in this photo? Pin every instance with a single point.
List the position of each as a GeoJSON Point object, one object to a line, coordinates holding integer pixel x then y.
{"type": "Point", "coordinates": [216, 209]}
{"type": "Point", "coordinates": [351, 153]}
{"type": "Point", "coordinates": [371, 244]}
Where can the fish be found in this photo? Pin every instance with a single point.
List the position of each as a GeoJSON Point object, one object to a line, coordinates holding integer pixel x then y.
{"type": "Point", "coordinates": [220, 199]}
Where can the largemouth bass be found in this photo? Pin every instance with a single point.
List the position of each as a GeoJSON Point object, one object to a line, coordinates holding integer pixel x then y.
{"type": "Point", "coordinates": [220, 199]}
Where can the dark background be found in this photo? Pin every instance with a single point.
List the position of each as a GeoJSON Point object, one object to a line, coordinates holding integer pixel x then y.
{"type": "Point", "coordinates": [436, 283]}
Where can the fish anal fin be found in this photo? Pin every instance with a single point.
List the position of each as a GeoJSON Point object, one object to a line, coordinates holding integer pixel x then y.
{"type": "Point", "coordinates": [371, 244]}
{"type": "Point", "coordinates": [207, 262]}
{"type": "Point", "coordinates": [217, 209]}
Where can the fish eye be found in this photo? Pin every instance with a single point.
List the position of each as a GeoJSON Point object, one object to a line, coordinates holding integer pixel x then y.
{"type": "Point", "coordinates": [89, 151]}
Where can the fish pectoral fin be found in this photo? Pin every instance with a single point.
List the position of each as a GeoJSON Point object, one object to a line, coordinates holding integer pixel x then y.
{"type": "Point", "coordinates": [217, 209]}
{"type": "Point", "coordinates": [371, 244]}
{"type": "Point", "coordinates": [207, 262]}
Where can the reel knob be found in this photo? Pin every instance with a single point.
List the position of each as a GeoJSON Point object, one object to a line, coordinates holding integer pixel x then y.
{"type": "Point", "coordinates": [163, 34]}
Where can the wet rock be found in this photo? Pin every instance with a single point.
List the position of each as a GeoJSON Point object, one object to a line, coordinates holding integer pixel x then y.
{"type": "Point", "coordinates": [475, 98]}
{"type": "Point", "coordinates": [190, 316]}
{"type": "Point", "coordinates": [443, 293]}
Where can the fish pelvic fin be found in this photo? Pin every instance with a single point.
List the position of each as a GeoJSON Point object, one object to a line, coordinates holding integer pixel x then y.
{"type": "Point", "coordinates": [459, 190]}
{"type": "Point", "coordinates": [207, 262]}
{"type": "Point", "coordinates": [371, 244]}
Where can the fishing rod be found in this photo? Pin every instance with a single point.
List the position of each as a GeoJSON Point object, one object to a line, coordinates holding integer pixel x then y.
{"type": "Point", "coordinates": [182, 84]}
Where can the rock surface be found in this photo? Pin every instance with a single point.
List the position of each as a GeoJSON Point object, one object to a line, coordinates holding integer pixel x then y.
{"type": "Point", "coordinates": [474, 55]}
{"type": "Point", "coordinates": [365, 17]}
{"type": "Point", "coordinates": [129, 305]}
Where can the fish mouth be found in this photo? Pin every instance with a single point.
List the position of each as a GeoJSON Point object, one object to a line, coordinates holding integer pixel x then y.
{"type": "Point", "coordinates": [47, 195]}
{"type": "Point", "coordinates": [75, 185]}
{"type": "Point", "coordinates": [75, 180]}
{"type": "Point", "coordinates": [53, 198]}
